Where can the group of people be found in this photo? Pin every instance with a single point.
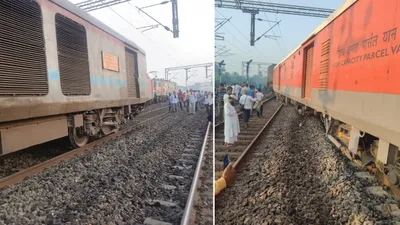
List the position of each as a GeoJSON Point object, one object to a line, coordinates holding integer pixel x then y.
{"type": "Point", "coordinates": [250, 99]}
{"type": "Point", "coordinates": [191, 100]}
{"type": "Point", "coordinates": [237, 92]}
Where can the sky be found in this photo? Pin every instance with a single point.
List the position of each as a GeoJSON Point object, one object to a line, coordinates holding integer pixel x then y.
{"type": "Point", "coordinates": [292, 30]}
{"type": "Point", "coordinates": [195, 42]}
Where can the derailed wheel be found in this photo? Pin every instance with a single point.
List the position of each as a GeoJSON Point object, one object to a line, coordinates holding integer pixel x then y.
{"type": "Point", "coordinates": [77, 137]}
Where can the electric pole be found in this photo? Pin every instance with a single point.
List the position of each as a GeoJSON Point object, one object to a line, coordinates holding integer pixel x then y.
{"type": "Point", "coordinates": [220, 64]}
{"type": "Point", "coordinates": [187, 78]}
{"type": "Point", "coordinates": [247, 70]}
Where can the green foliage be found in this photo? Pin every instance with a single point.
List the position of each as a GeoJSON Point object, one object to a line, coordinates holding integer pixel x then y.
{"type": "Point", "coordinates": [230, 78]}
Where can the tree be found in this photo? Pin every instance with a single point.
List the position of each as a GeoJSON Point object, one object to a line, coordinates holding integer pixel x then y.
{"type": "Point", "coordinates": [235, 78]}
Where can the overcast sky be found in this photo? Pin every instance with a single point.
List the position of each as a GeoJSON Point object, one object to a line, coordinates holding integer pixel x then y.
{"type": "Point", "coordinates": [195, 42]}
{"type": "Point", "coordinates": [292, 30]}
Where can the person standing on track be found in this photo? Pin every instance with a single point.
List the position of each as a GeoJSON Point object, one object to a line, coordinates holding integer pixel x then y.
{"type": "Point", "coordinates": [227, 95]}
{"type": "Point", "coordinates": [180, 97]}
{"type": "Point", "coordinates": [173, 99]}
{"type": "Point", "coordinates": [211, 103]}
{"type": "Point", "coordinates": [247, 102]}
{"type": "Point", "coordinates": [232, 127]}
{"type": "Point", "coordinates": [220, 102]}
{"type": "Point", "coordinates": [197, 94]}
{"type": "Point", "coordinates": [192, 102]}
{"type": "Point", "coordinates": [260, 97]}
{"type": "Point", "coordinates": [187, 95]}
{"type": "Point", "coordinates": [251, 93]}
{"type": "Point", "coordinates": [236, 91]}
{"type": "Point", "coordinates": [169, 102]}
{"type": "Point", "coordinates": [244, 88]}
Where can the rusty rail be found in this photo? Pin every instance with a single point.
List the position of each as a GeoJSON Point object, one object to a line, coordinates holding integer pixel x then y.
{"type": "Point", "coordinates": [21, 175]}
{"type": "Point", "coordinates": [237, 162]}
{"type": "Point", "coordinates": [187, 214]}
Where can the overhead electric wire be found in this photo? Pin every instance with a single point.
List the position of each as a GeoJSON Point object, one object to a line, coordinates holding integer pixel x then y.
{"type": "Point", "coordinates": [146, 36]}
{"type": "Point", "coordinates": [262, 55]}
{"type": "Point", "coordinates": [273, 32]}
{"type": "Point", "coordinates": [243, 43]}
{"type": "Point", "coordinates": [235, 45]}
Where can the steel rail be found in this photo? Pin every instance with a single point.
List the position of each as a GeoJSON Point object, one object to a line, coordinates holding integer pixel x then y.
{"type": "Point", "coordinates": [193, 189]}
{"type": "Point", "coordinates": [272, 97]}
{"type": "Point", "coordinates": [237, 162]}
{"type": "Point", "coordinates": [155, 109]}
{"type": "Point", "coordinates": [21, 175]}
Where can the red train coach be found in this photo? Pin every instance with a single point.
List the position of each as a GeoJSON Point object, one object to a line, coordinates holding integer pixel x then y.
{"type": "Point", "coordinates": [347, 71]}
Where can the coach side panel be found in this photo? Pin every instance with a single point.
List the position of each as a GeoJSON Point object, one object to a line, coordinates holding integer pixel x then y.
{"type": "Point", "coordinates": [360, 86]}
{"type": "Point", "coordinates": [108, 86]}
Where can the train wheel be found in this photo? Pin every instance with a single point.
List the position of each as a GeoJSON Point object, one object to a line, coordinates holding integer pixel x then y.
{"type": "Point", "coordinates": [77, 137]}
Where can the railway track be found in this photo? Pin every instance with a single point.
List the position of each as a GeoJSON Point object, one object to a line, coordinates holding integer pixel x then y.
{"type": "Point", "coordinates": [192, 177]}
{"type": "Point", "coordinates": [294, 175]}
{"type": "Point", "coordinates": [199, 207]}
{"type": "Point", "coordinates": [46, 162]}
{"type": "Point", "coordinates": [247, 137]}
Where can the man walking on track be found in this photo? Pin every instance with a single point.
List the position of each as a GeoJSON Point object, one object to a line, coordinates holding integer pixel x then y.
{"type": "Point", "coordinates": [247, 102]}
{"type": "Point", "coordinates": [232, 127]}
{"type": "Point", "coordinates": [259, 97]}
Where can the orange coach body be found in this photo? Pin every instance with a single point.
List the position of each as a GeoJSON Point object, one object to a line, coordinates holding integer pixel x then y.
{"type": "Point", "coordinates": [347, 68]}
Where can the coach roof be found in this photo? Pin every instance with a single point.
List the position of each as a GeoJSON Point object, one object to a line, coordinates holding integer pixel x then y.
{"type": "Point", "coordinates": [86, 16]}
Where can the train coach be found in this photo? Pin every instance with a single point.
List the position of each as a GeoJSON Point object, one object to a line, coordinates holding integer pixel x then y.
{"type": "Point", "coordinates": [347, 71]}
{"type": "Point", "coordinates": [163, 87]}
{"type": "Point", "coordinates": [64, 73]}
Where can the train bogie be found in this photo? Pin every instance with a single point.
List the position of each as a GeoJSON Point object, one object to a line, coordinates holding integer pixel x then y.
{"type": "Point", "coordinates": [347, 71]}
{"type": "Point", "coordinates": [62, 66]}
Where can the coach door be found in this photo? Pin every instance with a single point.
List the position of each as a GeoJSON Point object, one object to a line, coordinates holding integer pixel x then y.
{"type": "Point", "coordinates": [307, 74]}
{"type": "Point", "coordinates": [132, 74]}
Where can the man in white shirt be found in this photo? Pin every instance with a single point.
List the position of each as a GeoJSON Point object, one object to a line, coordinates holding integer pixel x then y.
{"type": "Point", "coordinates": [260, 97]}
{"type": "Point", "coordinates": [174, 101]}
{"type": "Point", "coordinates": [192, 102]}
{"type": "Point", "coordinates": [236, 91]}
{"type": "Point", "coordinates": [247, 101]}
{"type": "Point", "coordinates": [227, 95]}
{"type": "Point", "coordinates": [244, 88]}
{"type": "Point", "coordinates": [232, 127]}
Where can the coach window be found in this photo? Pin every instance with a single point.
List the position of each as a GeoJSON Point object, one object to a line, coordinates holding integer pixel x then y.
{"type": "Point", "coordinates": [22, 51]}
{"type": "Point", "coordinates": [73, 58]}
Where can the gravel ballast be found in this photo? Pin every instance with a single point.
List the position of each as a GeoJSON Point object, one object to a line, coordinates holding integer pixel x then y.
{"type": "Point", "coordinates": [110, 184]}
{"type": "Point", "coordinates": [25, 158]}
{"type": "Point", "coordinates": [296, 176]}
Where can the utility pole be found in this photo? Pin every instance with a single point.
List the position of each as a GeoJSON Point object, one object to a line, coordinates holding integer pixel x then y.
{"type": "Point", "coordinates": [175, 19]}
{"type": "Point", "coordinates": [220, 64]}
{"type": "Point", "coordinates": [254, 7]}
{"type": "Point", "coordinates": [253, 14]}
{"type": "Point", "coordinates": [187, 78]}
{"type": "Point", "coordinates": [247, 70]}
